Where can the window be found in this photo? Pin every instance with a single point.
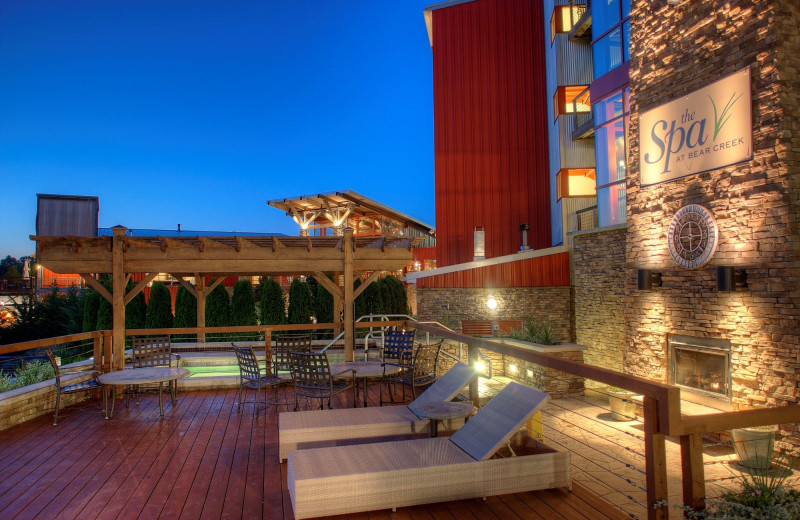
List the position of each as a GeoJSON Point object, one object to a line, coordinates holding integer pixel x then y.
{"type": "Point", "coordinates": [560, 21]}
{"type": "Point", "coordinates": [575, 183]}
{"type": "Point", "coordinates": [568, 100]}
{"type": "Point", "coordinates": [610, 134]}
{"type": "Point", "coordinates": [611, 24]}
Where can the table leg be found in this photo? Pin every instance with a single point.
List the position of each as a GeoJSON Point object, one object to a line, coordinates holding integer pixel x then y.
{"type": "Point", "coordinates": [434, 426]}
{"type": "Point", "coordinates": [173, 387]}
{"type": "Point", "coordinates": [113, 401]}
{"type": "Point", "coordinates": [160, 399]}
{"type": "Point", "coordinates": [365, 392]}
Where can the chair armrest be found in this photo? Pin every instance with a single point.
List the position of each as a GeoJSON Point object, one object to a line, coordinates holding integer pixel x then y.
{"type": "Point", "coordinates": [344, 372]}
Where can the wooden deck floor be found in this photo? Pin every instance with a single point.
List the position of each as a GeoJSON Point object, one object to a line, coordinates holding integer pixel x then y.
{"type": "Point", "coordinates": [203, 460]}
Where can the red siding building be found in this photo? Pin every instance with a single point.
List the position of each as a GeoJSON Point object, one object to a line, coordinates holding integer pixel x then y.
{"type": "Point", "coordinates": [490, 134]}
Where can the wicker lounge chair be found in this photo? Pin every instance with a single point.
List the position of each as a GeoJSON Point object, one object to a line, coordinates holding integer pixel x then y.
{"type": "Point", "coordinates": [365, 477]}
{"type": "Point", "coordinates": [318, 428]}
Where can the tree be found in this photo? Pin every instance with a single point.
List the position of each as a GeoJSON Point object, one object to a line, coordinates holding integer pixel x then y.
{"type": "Point", "coordinates": [273, 305]}
{"type": "Point", "coordinates": [185, 312]}
{"type": "Point", "coordinates": [105, 312]}
{"type": "Point", "coordinates": [135, 310]}
{"type": "Point", "coordinates": [243, 308]}
{"type": "Point", "coordinates": [323, 307]}
{"type": "Point", "coordinates": [91, 304]}
{"type": "Point", "coordinates": [13, 275]}
{"type": "Point", "coordinates": [159, 308]}
{"type": "Point", "coordinates": [218, 310]}
{"type": "Point", "coordinates": [373, 298]}
{"type": "Point", "coordinates": [312, 286]}
{"type": "Point", "coordinates": [300, 302]}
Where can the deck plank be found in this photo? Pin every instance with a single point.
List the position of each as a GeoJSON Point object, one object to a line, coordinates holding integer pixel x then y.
{"type": "Point", "coordinates": [203, 460]}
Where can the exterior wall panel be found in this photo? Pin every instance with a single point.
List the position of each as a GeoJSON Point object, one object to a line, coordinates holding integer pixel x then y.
{"type": "Point", "coordinates": [490, 127]}
{"type": "Point", "coordinates": [543, 271]}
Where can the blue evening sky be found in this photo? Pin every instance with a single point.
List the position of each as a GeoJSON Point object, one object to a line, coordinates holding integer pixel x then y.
{"type": "Point", "coordinates": [198, 112]}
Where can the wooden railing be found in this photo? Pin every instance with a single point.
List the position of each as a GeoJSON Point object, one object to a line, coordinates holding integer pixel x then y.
{"type": "Point", "coordinates": [661, 402]}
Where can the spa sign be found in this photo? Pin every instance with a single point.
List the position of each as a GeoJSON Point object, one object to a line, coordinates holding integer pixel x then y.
{"type": "Point", "coordinates": [708, 129]}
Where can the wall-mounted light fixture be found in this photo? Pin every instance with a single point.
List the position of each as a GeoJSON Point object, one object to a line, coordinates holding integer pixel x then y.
{"type": "Point", "coordinates": [491, 303]}
{"type": "Point", "coordinates": [646, 279]}
{"type": "Point", "coordinates": [729, 278]}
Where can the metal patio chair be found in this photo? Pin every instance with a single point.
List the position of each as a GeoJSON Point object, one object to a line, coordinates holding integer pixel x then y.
{"type": "Point", "coordinates": [72, 388]}
{"type": "Point", "coordinates": [148, 352]}
{"type": "Point", "coordinates": [421, 372]}
{"type": "Point", "coordinates": [281, 358]}
{"type": "Point", "coordinates": [253, 376]}
{"type": "Point", "coordinates": [312, 378]}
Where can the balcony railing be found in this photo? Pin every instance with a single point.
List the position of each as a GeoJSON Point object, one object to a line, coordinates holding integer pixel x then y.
{"type": "Point", "coordinates": [660, 413]}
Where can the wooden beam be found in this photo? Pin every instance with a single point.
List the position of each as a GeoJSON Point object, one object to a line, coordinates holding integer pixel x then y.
{"type": "Point", "coordinates": [118, 299]}
{"type": "Point", "coordinates": [741, 419]}
{"type": "Point", "coordinates": [692, 471]}
{"type": "Point", "coordinates": [139, 287]}
{"type": "Point", "coordinates": [186, 284]}
{"type": "Point", "coordinates": [97, 286]}
{"type": "Point", "coordinates": [328, 284]}
{"type": "Point", "coordinates": [128, 278]}
{"type": "Point", "coordinates": [349, 308]}
{"type": "Point", "coordinates": [361, 288]}
{"type": "Point", "coordinates": [277, 244]}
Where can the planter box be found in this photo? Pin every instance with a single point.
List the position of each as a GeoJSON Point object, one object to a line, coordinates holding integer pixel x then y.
{"type": "Point", "coordinates": [754, 447]}
{"type": "Point", "coordinates": [551, 381]}
{"type": "Point", "coordinates": [23, 404]}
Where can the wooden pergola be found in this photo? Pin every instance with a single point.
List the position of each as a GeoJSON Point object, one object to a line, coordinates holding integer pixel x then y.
{"type": "Point", "coordinates": [218, 257]}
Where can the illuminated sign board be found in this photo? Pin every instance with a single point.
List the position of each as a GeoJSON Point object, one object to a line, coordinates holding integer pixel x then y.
{"type": "Point", "coordinates": [708, 129]}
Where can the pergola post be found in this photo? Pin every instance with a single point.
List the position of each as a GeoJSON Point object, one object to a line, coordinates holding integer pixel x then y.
{"type": "Point", "coordinates": [118, 297]}
{"type": "Point", "coordinates": [349, 308]}
{"type": "Point", "coordinates": [200, 286]}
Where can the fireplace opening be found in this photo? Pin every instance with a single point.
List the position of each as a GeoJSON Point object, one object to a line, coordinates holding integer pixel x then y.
{"type": "Point", "coordinates": [701, 366]}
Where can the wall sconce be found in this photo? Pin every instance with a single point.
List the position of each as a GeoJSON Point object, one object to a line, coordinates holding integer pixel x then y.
{"type": "Point", "coordinates": [491, 303]}
{"type": "Point", "coordinates": [729, 278]}
{"type": "Point", "coordinates": [646, 279]}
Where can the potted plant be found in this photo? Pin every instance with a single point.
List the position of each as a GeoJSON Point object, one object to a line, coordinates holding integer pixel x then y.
{"type": "Point", "coordinates": [754, 446]}
{"type": "Point", "coordinates": [623, 408]}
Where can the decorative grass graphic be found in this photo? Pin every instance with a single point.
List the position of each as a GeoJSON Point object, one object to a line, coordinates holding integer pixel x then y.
{"type": "Point", "coordinates": [720, 121]}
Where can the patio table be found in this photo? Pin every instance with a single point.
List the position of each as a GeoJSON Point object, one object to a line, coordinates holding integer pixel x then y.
{"type": "Point", "coordinates": [365, 370]}
{"type": "Point", "coordinates": [141, 376]}
{"type": "Point", "coordinates": [443, 411]}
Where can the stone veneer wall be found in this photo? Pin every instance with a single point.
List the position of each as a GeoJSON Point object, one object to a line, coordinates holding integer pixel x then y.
{"type": "Point", "coordinates": [598, 277]}
{"type": "Point", "coordinates": [674, 51]}
{"type": "Point", "coordinates": [451, 306]}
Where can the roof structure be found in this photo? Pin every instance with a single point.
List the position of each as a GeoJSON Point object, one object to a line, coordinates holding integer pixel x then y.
{"type": "Point", "coordinates": [332, 209]}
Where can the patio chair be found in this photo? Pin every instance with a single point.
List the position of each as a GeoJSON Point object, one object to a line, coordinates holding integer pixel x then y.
{"type": "Point", "coordinates": [281, 358]}
{"type": "Point", "coordinates": [398, 346]}
{"type": "Point", "coordinates": [421, 471]}
{"type": "Point", "coordinates": [318, 428]}
{"type": "Point", "coordinates": [72, 387]}
{"type": "Point", "coordinates": [148, 352]}
{"type": "Point", "coordinates": [421, 372]}
{"type": "Point", "coordinates": [253, 376]}
{"type": "Point", "coordinates": [312, 377]}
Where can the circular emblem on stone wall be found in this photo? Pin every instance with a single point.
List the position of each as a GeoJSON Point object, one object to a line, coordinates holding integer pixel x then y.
{"type": "Point", "coordinates": [692, 236]}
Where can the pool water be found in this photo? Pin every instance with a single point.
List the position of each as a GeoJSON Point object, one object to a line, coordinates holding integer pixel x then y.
{"type": "Point", "coordinates": [213, 371]}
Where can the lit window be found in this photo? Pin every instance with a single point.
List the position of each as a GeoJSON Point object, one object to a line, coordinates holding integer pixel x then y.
{"type": "Point", "coordinates": [575, 183]}
{"type": "Point", "coordinates": [560, 21]}
{"type": "Point", "coordinates": [570, 99]}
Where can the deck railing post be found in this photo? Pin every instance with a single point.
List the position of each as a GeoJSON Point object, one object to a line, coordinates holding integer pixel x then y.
{"type": "Point", "coordinates": [692, 471]}
{"type": "Point", "coordinates": [268, 346]}
{"type": "Point", "coordinates": [655, 450]}
{"type": "Point", "coordinates": [97, 352]}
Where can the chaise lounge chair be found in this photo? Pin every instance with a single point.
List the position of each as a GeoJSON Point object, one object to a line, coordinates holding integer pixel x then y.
{"type": "Point", "coordinates": [366, 477]}
{"type": "Point", "coordinates": [320, 428]}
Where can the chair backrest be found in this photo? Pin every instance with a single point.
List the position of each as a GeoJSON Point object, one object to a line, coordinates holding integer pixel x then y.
{"type": "Point", "coordinates": [447, 386]}
{"type": "Point", "coordinates": [284, 345]}
{"type": "Point", "coordinates": [53, 362]}
{"type": "Point", "coordinates": [311, 370]}
{"type": "Point", "coordinates": [425, 358]}
{"type": "Point", "coordinates": [398, 346]}
{"type": "Point", "coordinates": [496, 422]}
{"type": "Point", "coordinates": [248, 364]}
{"type": "Point", "coordinates": [151, 351]}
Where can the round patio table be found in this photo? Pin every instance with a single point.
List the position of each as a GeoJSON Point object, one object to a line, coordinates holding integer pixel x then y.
{"type": "Point", "coordinates": [365, 370]}
{"type": "Point", "coordinates": [443, 411]}
{"type": "Point", "coordinates": [141, 376]}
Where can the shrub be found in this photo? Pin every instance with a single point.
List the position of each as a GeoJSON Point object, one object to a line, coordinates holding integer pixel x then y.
{"type": "Point", "coordinates": [35, 372]}
{"type": "Point", "coordinates": [159, 308]}
{"type": "Point", "coordinates": [185, 313]}
{"type": "Point", "coordinates": [91, 304]}
{"type": "Point", "coordinates": [300, 303]}
{"type": "Point", "coordinates": [534, 331]}
{"type": "Point", "coordinates": [243, 308]}
{"type": "Point", "coordinates": [272, 305]}
{"type": "Point", "coordinates": [373, 298]}
{"type": "Point", "coordinates": [136, 310]}
{"type": "Point", "coordinates": [218, 310]}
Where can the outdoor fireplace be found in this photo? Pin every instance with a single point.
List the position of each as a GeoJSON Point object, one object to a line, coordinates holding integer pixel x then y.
{"type": "Point", "coordinates": [701, 367]}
